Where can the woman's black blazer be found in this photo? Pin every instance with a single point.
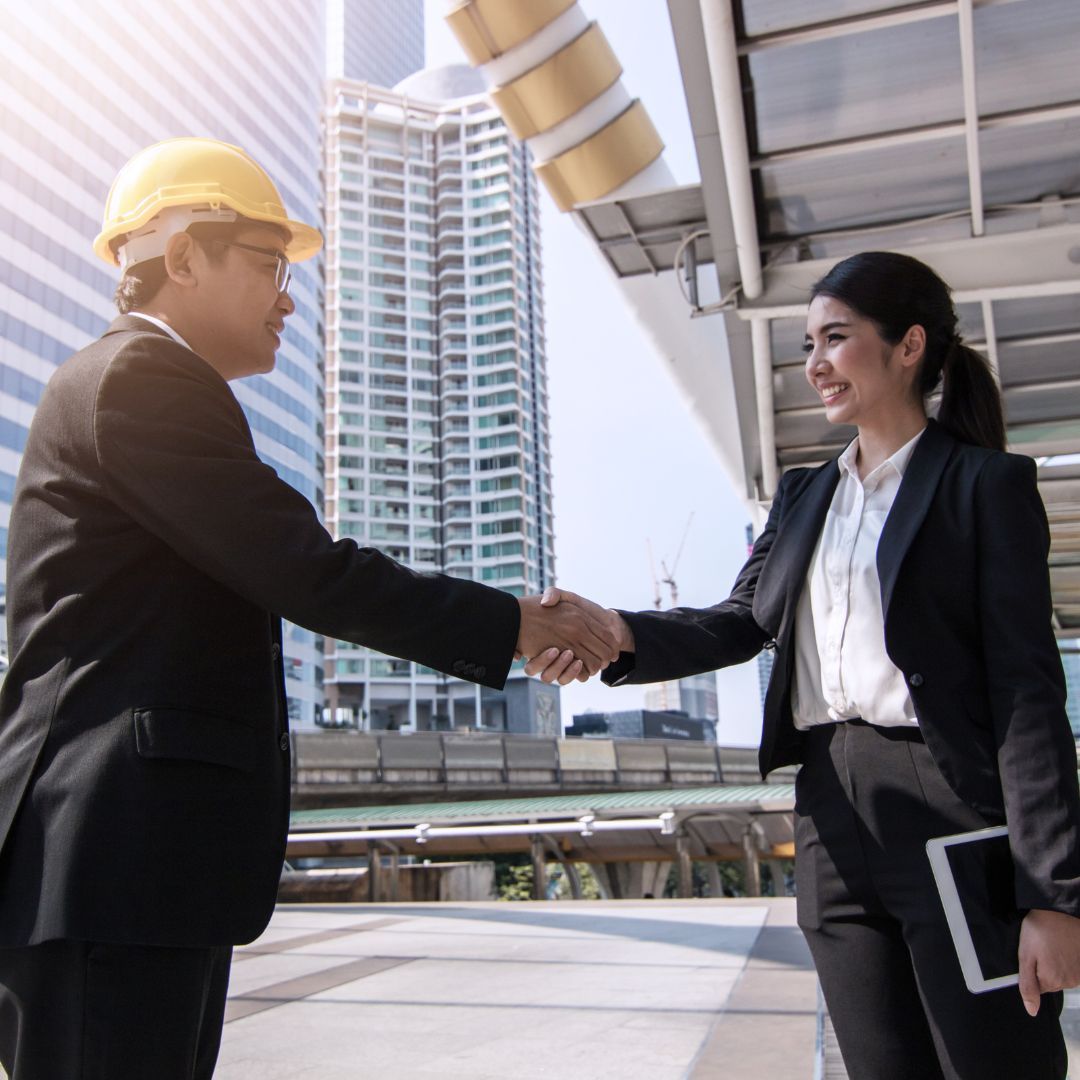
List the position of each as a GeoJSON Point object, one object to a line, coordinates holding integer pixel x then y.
{"type": "Point", "coordinates": [966, 597]}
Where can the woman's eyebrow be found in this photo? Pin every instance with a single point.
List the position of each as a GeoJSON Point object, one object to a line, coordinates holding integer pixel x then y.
{"type": "Point", "coordinates": [828, 326]}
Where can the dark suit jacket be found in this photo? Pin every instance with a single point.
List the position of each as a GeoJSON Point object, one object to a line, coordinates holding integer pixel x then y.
{"type": "Point", "coordinates": [144, 749]}
{"type": "Point", "coordinates": [966, 598]}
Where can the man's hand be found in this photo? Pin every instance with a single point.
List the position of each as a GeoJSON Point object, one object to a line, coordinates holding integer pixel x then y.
{"type": "Point", "coordinates": [562, 666]}
{"type": "Point", "coordinates": [1049, 955]}
{"type": "Point", "coordinates": [551, 631]}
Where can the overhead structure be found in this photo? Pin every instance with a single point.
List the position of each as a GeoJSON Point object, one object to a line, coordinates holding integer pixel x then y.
{"type": "Point", "coordinates": [624, 827]}
{"type": "Point", "coordinates": [946, 129]}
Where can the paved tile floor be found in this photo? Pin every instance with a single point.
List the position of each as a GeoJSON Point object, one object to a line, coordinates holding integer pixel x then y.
{"type": "Point", "coordinates": [492, 991]}
{"type": "Point", "coordinates": [664, 990]}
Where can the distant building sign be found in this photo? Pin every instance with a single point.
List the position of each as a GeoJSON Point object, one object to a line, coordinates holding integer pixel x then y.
{"type": "Point", "coordinates": [659, 726]}
{"type": "Point", "coordinates": [642, 724]}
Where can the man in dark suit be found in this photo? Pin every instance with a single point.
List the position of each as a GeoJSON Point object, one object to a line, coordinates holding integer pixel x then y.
{"type": "Point", "coordinates": [144, 746]}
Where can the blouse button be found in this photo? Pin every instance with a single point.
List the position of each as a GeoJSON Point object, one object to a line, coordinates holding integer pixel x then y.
{"type": "Point", "coordinates": [915, 679]}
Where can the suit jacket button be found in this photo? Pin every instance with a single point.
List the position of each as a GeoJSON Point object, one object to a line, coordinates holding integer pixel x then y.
{"type": "Point", "coordinates": [915, 679]}
{"type": "Point", "coordinates": [283, 742]}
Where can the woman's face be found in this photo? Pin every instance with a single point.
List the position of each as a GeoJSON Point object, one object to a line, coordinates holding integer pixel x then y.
{"type": "Point", "coordinates": [858, 375]}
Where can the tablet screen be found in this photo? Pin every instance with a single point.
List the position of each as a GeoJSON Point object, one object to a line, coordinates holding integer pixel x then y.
{"type": "Point", "coordinates": [983, 872]}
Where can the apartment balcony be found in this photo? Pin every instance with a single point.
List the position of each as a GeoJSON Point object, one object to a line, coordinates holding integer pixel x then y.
{"type": "Point", "coordinates": [387, 423]}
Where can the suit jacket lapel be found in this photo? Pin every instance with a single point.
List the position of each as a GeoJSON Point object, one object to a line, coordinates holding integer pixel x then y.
{"type": "Point", "coordinates": [784, 573]}
{"type": "Point", "coordinates": [909, 509]}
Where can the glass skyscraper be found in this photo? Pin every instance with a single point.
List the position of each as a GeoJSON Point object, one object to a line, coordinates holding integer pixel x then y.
{"type": "Point", "coordinates": [82, 87]}
{"type": "Point", "coordinates": [437, 428]}
{"type": "Point", "coordinates": [377, 41]}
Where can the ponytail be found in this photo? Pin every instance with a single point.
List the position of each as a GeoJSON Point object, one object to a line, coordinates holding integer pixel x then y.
{"type": "Point", "coordinates": [971, 408]}
{"type": "Point", "coordinates": [898, 292]}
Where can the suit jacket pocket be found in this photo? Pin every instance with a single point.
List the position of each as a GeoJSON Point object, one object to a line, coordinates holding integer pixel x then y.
{"type": "Point", "coordinates": [195, 736]}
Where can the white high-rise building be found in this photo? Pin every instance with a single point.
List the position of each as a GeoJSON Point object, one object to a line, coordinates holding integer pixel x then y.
{"type": "Point", "coordinates": [84, 87]}
{"type": "Point", "coordinates": [437, 442]}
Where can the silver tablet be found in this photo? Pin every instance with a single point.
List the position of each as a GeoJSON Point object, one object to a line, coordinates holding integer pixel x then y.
{"type": "Point", "coordinates": [975, 877]}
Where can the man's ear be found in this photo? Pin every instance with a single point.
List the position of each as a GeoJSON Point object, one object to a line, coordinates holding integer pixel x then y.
{"type": "Point", "coordinates": [180, 251]}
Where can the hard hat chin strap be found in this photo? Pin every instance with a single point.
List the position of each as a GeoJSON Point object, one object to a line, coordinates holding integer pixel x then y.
{"type": "Point", "coordinates": [149, 241]}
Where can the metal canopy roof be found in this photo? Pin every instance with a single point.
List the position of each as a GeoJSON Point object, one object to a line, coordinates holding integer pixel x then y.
{"type": "Point", "coordinates": [613, 827]}
{"type": "Point", "coordinates": [643, 235]}
{"type": "Point", "coordinates": [750, 796]}
{"type": "Point", "coordinates": [949, 129]}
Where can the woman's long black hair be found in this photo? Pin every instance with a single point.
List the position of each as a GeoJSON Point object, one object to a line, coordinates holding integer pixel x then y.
{"type": "Point", "coordinates": [897, 292]}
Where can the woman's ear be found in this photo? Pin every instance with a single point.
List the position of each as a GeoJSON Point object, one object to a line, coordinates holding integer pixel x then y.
{"type": "Point", "coordinates": [913, 346]}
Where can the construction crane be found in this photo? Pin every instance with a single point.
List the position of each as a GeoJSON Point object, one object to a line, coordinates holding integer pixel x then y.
{"type": "Point", "coordinates": [669, 575]}
{"type": "Point", "coordinates": [652, 570]}
{"type": "Point", "coordinates": [666, 695]}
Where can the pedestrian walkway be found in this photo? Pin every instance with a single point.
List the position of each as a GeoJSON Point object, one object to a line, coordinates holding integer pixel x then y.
{"type": "Point", "coordinates": [489, 991]}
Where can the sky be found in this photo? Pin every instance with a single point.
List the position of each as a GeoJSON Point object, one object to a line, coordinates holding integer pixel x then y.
{"type": "Point", "coordinates": [630, 465]}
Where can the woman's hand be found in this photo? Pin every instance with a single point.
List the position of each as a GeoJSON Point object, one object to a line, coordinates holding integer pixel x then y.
{"type": "Point", "coordinates": [1049, 955]}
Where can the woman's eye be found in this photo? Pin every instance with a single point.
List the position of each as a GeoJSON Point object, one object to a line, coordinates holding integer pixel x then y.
{"type": "Point", "coordinates": [834, 338]}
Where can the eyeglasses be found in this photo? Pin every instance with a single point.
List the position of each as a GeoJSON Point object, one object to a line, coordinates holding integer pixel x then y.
{"type": "Point", "coordinates": [283, 272]}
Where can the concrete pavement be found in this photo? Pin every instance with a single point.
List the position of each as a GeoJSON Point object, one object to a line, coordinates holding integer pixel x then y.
{"type": "Point", "coordinates": [491, 991]}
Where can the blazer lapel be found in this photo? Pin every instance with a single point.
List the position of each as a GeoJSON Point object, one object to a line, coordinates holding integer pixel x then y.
{"type": "Point", "coordinates": [909, 508]}
{"type": "Point", "coordinates": [784, 572]}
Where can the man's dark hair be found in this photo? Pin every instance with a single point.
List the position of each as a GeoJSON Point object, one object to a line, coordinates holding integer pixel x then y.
{"type": "Point", "coordinates": [143, 281]}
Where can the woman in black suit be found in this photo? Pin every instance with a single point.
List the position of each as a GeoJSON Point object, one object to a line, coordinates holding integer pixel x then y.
{"type": "Point", "coordinates": [904, 588]}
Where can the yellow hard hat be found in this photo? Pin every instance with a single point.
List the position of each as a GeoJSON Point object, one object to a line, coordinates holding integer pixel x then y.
{"type": "Point", "coordinates": [214, 179]}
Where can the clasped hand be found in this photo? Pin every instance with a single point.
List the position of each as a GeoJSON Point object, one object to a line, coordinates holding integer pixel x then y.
{"type": "Point", "coordinates": [565, 637]}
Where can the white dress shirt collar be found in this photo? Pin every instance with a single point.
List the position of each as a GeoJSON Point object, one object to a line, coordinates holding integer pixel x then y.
{"type": "Point", "coordinates": [896, 462]}
{"type": "Point", "coordinates": [162, 325]}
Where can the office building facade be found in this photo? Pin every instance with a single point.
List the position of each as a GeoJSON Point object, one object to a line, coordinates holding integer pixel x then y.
{"type": "Point", "coordinates": [642, 724]}
{"type": "Point", "coordinates": [79, 95]}
{"type": "Point", "coordinates": [1070, 661]}
{"type": "Point", "coordinates": [695, 696]}
{"type": "Point", "coordinates": [375, 41]}
{"type": "Point", "coordinates": [437, 441]}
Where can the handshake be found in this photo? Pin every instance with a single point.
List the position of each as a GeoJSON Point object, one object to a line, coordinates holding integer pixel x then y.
{"type": "Point", "coordinates": [564, 637]}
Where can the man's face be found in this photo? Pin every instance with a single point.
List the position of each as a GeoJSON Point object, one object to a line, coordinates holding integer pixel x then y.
{"type": "Point", "coordinates": [242, 310]}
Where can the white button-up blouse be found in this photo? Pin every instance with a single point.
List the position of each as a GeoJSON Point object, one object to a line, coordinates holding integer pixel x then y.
{"type": "Point", "coordinates": [841, 668]}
